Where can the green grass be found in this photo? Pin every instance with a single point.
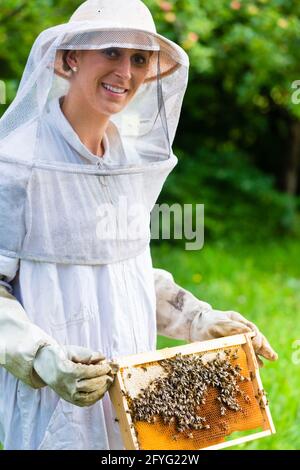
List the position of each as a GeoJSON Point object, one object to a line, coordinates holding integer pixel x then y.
{"type": "Point", "coordinates": [261, 282]}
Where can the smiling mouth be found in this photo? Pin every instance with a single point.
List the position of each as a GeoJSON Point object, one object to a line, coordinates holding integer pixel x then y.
{"type": "Point", "coordinates": [114, 90]}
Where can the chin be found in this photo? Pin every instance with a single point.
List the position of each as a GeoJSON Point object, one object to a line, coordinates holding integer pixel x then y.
{"type": "Point", "coordinates": [106, 109]}
{"type": "Point", "coordinates": [112, 109]}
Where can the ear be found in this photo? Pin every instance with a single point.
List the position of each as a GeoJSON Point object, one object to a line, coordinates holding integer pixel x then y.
{"type": "Point", "coordinates": [72, 58]}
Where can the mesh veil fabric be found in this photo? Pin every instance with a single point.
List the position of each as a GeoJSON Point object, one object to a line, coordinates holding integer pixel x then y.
{"type": "Point", "coordinates": [52, 208]}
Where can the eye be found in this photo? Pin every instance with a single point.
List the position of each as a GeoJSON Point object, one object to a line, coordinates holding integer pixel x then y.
{"type": "Point", "coordinates": [111, 52]}
{"type": "Point", "coordinates": [139, 59]}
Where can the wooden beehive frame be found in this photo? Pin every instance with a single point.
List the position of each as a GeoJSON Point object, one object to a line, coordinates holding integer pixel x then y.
{"type": "Point", "coordinates": [120, 402]}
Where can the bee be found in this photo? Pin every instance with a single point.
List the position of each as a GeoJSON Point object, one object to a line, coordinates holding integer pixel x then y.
{"type": "Point", "coordinates": [262, 404]}
{"type": "Point", "coordinates": [129, 376]}
{"type": "Point", "coordinates": [144, 368]}
{"type": "Point", "coordinates": [223, 425]}
{"type": "Point", "coordinates": [247, 399]}
{"type": "Point", "coordinates": [117, 420]}
{"type": "Point", "coordinates": [235, 354]}
{"type": "Point", "coordinates": [252, 375]}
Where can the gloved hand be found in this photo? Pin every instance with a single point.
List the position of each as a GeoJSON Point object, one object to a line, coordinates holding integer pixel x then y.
{"type": "Point", "coordinates": [181, 315]}
{"type": "Point", "coordinates": [76, 374]}
{"type": "Point", "coordinates": [20, 340]}
{"type": "Point", "coordinates": [216, 323]}
{"type": "Point", "coordinates": [21, 346]}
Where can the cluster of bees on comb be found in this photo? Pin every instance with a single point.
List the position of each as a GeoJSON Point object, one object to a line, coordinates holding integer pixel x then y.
{"type": "Point", "coordinates": [176, 398]}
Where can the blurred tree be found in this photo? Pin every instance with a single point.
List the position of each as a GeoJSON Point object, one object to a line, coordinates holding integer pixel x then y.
{"type": "Point", "coordinates": [245, 55]}
{"type": "Point", "coordinates": [20, 23]}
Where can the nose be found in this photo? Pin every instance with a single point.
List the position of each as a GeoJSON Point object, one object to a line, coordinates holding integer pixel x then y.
{"type": "Point", "coordinates": [123, 69]}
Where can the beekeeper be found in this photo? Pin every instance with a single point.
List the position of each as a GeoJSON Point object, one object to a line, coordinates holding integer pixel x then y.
{"type": "Point", "coordinates": [85, 149]}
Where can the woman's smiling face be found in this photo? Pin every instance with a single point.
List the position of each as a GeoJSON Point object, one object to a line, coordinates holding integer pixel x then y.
{"type": "Point", "coordinates": [108, 78]}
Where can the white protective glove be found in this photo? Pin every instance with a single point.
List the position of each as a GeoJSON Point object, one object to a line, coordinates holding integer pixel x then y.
{"type": "Point", "coordinates": [35, 358]}
{"type": "Point", "coordinates": [19, 340]}
{"type": "Point", "coordinates": [78, 375]}
{"type": "Point", "coordinates": [181, 315]}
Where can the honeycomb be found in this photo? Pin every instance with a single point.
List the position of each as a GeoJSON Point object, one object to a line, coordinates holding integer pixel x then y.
{"type": "Point", "coordinates": [161, 436]}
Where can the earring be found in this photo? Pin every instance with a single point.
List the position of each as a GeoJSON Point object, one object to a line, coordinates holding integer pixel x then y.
{"type": "Point", "coordinates": [75, 69]}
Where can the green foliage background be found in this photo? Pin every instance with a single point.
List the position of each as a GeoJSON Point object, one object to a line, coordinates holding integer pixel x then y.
{"type": "Point", "coordinates": [234, 144]}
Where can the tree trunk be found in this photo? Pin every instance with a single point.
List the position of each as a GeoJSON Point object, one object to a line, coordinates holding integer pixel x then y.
{"type": "Point", "coordinates": [293, 163]}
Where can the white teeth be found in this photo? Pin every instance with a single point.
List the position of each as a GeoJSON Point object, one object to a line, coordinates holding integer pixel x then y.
{"type": "Point", "coordinates": [111, 88]}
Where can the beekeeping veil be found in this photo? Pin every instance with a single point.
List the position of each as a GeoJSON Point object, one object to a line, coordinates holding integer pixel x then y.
{"type": "Point", "coordinates": [88, 212]}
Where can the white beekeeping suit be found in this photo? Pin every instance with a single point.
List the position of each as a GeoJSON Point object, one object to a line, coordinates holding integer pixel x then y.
{"type": "Point", "coordinates": [78, 281]}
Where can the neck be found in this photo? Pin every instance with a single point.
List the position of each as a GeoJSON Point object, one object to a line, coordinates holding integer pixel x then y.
{"type": "Point", "coordinates": [89, 125]}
